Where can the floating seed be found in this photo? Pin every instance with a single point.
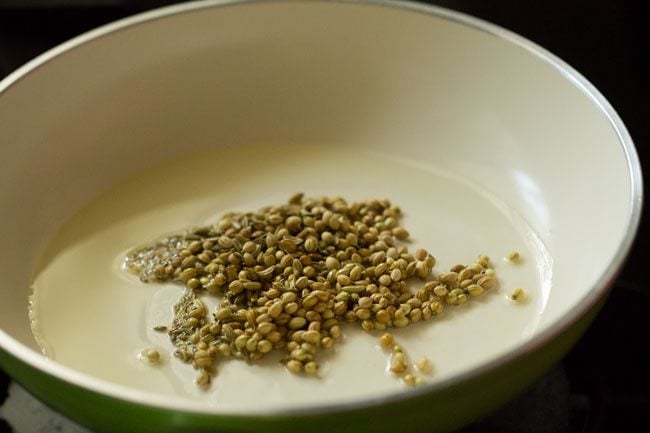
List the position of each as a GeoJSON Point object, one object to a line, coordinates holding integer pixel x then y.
{"type": "Point", "coordinates": [518, 295]}
{"type": "Point", "coordinates": [151, 355]}
{"type": "Point", "coordinates": [386, 340]}
{"type": "Point", "coordinates": [409, 379]}
{"type": "Point", "coordinates": [513, 256]}
{"type": "Point", "coordinates": [424, 365]}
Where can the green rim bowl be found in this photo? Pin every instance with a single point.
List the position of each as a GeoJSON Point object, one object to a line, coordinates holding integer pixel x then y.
{"type": "Point", "coordinates": [439, 86]}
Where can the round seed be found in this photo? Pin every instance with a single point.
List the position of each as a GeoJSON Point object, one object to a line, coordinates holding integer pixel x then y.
{"type": "Point", "coordinates": [335, 332]}
{"type": "Point", "coordinates": [331, 263]}
{"type": "Point", "coordinates": [421, 254]}
{"type": "Point", "coordinates": [311, 368]}
{"type": "Point", "coordinates": [294, 366]}
{"type": "Point", "coordinates": [487, 282]}
{"type": "Point", "coordinates": [400, 233]}
{"type": "Point", "coordinates": [382, 316]}
{"type": "Point", "coordinates": [409, 379]}
{"type": "Point", "coordinates": [265, 328]}
{"type": "Point", "coordinates": [475, 290]}
{"type": "Point", "coordinates": [386, 340]}
{"type": "Point", "coordinates": [264, 346]}
{"type": "Point", "coordinates": [365, 302]}
{"type": "Point", "coordinates": [398, 367]}
{"type": "Point", "coordinates": [424, 365]}
{"type": "Point", "coordinates": [151, 355]}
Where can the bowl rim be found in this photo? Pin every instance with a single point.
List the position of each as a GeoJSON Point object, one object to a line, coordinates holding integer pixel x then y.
{"type": "Point", "coordinates": [589, 301]}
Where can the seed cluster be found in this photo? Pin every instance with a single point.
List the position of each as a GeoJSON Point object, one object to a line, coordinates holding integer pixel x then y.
{"type": "Point", "coordinates": [291, 275]}
{"type": "Point", "coordinates": [399, 363]}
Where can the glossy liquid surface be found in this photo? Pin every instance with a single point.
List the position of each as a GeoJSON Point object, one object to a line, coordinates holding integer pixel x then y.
{"type": "Point", "coordinates": [91, 315]}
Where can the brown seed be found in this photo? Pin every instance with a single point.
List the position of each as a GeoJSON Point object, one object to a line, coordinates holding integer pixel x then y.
{"type": "Point", "coordinates": [421, 254]}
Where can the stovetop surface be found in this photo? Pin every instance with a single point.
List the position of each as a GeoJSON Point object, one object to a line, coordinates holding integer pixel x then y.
{"type": "Point", "coordinates": [603, 384]}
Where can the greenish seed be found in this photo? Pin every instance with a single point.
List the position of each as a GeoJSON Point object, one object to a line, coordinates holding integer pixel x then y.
{"type": "Point", "coordinates": [187, 274]}
{"type": "Point", "coordinates": [294, 366]}
{"type": "Point", "coordinates": [475, 290]}
{"type": "Point", "coordinates": [297, 322]}
{"type": "Point", "coordinates": [311, 368]}
{"type": "Point", "coordinates": [353, 289]}
{"type": "Point", "coordinates": [151, 355]}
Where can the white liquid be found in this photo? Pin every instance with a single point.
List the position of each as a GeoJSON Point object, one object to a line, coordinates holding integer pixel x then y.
{"type": "Point", "coordinates": [90, 315]}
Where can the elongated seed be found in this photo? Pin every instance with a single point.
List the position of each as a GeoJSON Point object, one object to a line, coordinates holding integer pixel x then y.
{"type": "Point", "coordinates": [297, 322]}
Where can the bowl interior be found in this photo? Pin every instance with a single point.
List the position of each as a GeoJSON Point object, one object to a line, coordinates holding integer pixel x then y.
{"type": "Point", "coordinates": [424, 89]}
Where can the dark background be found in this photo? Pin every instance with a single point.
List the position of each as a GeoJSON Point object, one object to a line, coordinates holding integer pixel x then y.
{"type": "Point", "coordinates": [603, 385]}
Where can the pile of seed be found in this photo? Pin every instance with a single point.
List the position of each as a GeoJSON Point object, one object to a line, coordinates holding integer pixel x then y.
{"type": "Point", "coordinates": [291, 274]}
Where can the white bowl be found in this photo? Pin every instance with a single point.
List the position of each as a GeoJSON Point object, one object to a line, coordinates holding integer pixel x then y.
{"type": "Point", "coordinates": [452, 102]}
